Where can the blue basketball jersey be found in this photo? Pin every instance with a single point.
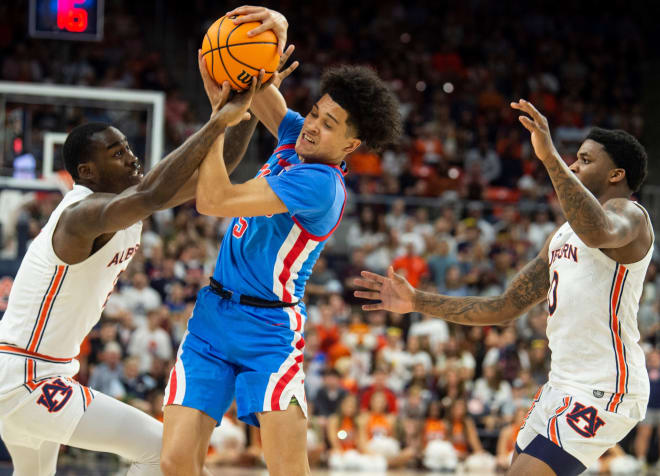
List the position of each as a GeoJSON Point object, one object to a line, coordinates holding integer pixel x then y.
{"type": "Point", "coordinates": [271, 257]}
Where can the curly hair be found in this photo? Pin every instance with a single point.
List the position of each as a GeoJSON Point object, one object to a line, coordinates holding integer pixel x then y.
{"type": "Point", "coordinates": [373, 109]}
{"type": "Point", "coordinates": [77, 143]}
{"type": "Point", "coordinates": [625, 151]}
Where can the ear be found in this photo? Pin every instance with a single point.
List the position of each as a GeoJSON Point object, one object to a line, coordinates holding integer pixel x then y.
{"type": "Point", "coordinates": [617, 175]}
{"type": "Point", "coordinates": [352, 145]}
{"type": "Point", "coordinates": [86, 171]}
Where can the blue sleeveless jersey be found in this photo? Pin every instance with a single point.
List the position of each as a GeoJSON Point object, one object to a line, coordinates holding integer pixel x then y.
{"type": "Point", "coordinates": [271, 257]}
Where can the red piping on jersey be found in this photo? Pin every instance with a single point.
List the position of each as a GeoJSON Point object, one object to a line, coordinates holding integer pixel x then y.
{"type": "Point", "coordinates": [324, 237]}
{"type": "Point", "coordinates": [26, 353]}
{"type": "Point", "coordinates": [284, 147]}
{"type": "Point", "coordinates": [170, 398]}
{"type": "Point", "coordinates": [618, 344]}
{"type": "Point", "coordinates": [47, 305]}
{"type": "Point", "coordinates": [289, 259]}
{"type": "Point", "coordinates": [554, 429]}
{"type": "Point", "coordinates": [286, 378]}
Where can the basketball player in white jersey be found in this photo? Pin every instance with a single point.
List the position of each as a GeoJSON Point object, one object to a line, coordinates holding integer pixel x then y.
{"type": "Point", "coordinates": [63, 283]}
{"type": "Point", "coordinates": [591, 272]}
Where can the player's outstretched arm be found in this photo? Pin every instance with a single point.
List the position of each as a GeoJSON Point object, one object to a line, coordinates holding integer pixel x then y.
{"type": "Point", "coordinates": [238, 138]}
{"type": "Point", "coordinates": [269, 105]}
{"type": "Point", "coordinates": [614, 224]}
{"type": "Point", "coordinates": [105, 213]}
{"type": "Point", "coordinates": [528, 288]}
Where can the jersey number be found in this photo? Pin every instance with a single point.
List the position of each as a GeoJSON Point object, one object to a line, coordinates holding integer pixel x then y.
{"type": "Point", "coordinates": [552, 293]}
{"type": "Point", "coordinates": [240, 228]}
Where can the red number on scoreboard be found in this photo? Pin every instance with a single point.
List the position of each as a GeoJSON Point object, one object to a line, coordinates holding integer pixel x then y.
{"type": "Point", "coordinates": [71, 18]}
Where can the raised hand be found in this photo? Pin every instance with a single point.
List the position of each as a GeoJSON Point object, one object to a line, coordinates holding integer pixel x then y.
{"type": "Point", "coordinates": [537, 125]}
{"type": "Point", "coordinates": [270, 20]}
{"type": "Point", "coordinates": [233, 111]}
{"type": "Point", "coordinates": [281, 74]}
{"type": "Point", "coordinates": [394, 292]}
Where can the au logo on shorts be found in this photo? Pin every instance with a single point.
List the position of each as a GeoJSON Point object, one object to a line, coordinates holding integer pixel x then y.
{"type": "Point", "coordinates": [54, 395]}
{"type": "Point", "coordinates": [584, 420]}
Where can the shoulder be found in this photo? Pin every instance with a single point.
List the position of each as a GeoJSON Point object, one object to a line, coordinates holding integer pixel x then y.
{"type": "Point", "coordinates": [626, 208]}
{"type": "Point", "coordinates": [289, 127]}
{"type": "Point", "coordinates": [83, 212]}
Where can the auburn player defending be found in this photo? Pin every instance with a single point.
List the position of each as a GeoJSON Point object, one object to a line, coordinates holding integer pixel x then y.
{"type": "Point", "coordinates": [245, 336]}
{"type": "Point", "coordinates": [591, 271]}
{"type": "Point", "coordinates": [62, 285]}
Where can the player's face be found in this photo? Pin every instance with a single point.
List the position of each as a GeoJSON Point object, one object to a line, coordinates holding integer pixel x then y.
{"type": "Point", "coordinates": [326, 135]}
{"type": "Point", "coordinates": [593, 167]}
{"type": "Point", "coordinates": [115, 166]}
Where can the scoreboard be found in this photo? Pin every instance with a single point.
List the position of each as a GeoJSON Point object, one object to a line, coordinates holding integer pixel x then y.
{"type": "Point", "coordinates": [67, 19]}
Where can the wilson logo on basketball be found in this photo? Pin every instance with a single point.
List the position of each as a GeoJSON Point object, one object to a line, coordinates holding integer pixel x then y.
{"type": "Point", "coordinates": [244, 77]}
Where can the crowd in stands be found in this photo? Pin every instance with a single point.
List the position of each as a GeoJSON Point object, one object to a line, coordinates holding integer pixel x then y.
{"type": "Point", "coordinates": [384, 390]}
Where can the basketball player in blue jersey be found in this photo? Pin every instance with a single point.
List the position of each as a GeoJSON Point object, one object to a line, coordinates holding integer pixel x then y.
{"type": "Point", "coordinates": [245, 337]}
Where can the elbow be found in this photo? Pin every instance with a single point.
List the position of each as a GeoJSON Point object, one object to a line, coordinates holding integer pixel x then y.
{"type": "Point", "coordinates": [209, 203]}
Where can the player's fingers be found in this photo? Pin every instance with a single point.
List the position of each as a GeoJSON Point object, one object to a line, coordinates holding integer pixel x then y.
{"type": "Point", "coordinates": [367, 283]}
{"type": "Point", "coordinates": [528, 123]}
{"type": "Point", "coordinates": [224, 93]}
{"type": "Point", "coordinates": [367, 295]}
{"type": "Point", "coordinates": [265, 26]}
{"type": "Point", "coordinates": [201, 63]}
{"type": "Point", "coordinates": [258, 81]}
{"type": "Point", "coordinates": [285, 57]}
{"type": "Point", "coordinates": [373, 307]}
{"type": "Point", "coordinates": [536, 115]}
{"type": "Point", "coordinates": [246, 117]}
{"type": "Point", "coordinates": [281, 42]}
{"type": "Point", "coordinates": [256, 16]}
{"type": "Point", "coordinates": [284, 74]}
{"type": "Point", "coordinates": [245, 9]}
{"type": "Point", "coordinates": [373, 276]}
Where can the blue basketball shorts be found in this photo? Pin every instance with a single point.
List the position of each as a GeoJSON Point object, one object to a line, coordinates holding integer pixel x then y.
{"type": "Point", "coordinates": [236, 351]}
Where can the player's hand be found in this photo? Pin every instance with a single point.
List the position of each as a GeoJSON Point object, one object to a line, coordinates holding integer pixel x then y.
{"type": "Point", "coordinates": [235, 109]}
{"type": "Point", "coordinates": [270, 20]}
{"type": "Point", "coordinates": [214, 91]}
{"type": "Point", "coordinates": [537, 125]}
{"type": "Point", "coordinates": [281, 74]}
{"type": "Point", "coordinates": [394, 292]}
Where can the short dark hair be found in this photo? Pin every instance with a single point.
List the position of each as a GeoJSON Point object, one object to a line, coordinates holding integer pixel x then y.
{"type": "Point", "coordinates": [625, 151]}
{"type": "Point", "coordinates": [373, 109]}
{"type": "Point", "coordinates": [77, 144]}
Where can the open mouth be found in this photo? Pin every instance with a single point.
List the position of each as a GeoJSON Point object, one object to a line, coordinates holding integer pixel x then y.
{"type": "Point", "coordinates": [308, 139]}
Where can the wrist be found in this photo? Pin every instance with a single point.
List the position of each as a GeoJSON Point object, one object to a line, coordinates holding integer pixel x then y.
{"type": "Point", "coordinates": [415, 300]}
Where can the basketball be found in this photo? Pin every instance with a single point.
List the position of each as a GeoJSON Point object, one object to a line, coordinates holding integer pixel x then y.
{"type": "Point", "coordinates": [231, 55]}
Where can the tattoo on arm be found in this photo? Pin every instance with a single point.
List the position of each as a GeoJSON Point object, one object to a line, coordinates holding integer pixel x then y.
{"type": "Point", "coordinates": [237, 139]}
{"type": "Point", "coordinates": [583, 211]}
{"type": "Point", "coordinates": [528, 288]}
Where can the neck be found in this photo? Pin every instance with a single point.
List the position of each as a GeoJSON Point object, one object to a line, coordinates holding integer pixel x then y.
{"type": "Point", "coordinates": [318, 160]}
{"type": "Point", "coordinates": [615, 192]}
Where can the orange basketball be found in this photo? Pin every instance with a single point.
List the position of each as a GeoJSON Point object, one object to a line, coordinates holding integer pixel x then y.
{"type": "Point", "coordinates": [231, 55]}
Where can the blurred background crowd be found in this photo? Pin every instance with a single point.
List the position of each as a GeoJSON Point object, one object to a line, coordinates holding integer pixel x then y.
{"type": "Point", "coordinates": [458, 207]}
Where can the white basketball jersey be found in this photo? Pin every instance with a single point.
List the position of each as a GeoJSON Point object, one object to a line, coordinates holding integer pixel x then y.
{"type": "Point", "coordinates": [53, 305]}
{"type": "Point", "coordinates": [592, 323]}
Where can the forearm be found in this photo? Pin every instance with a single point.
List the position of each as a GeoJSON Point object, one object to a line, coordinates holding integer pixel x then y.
{"type": "Point", "coordinates": [583, 211]}
{"type": "Point", "coordinates": [470, 310]}
{"type": "Point", "coordinates": [163, 182]}
{"type": "Point", "coordinates": [236, 142]}
{"type": "Point", "coordinates": [528, 288]}
{"type": "Point", "coordinates": [270, 108]}
{"type": "Point", "coordinates": [213, 181]}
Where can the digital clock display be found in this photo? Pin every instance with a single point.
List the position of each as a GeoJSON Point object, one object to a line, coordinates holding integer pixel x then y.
{"type": "Point", "coordinates": [67, 19]}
